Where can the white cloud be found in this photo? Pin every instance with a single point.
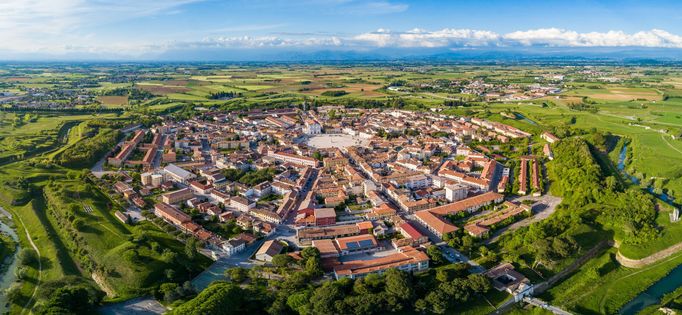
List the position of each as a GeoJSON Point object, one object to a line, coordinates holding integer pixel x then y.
{"type": "Point", "coordinates": [61, 27]}
{"type": "Point", "coordinates": [538, 37]}
{"type": "Point", "coordinates": [559, 37]}
{"type": "Point", "coordinates": [422, 38]}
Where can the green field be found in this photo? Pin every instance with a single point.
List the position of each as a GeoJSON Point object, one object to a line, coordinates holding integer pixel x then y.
{"type": "Point", "coordinates": [603, 287]}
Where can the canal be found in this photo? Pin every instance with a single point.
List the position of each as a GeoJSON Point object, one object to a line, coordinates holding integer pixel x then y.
{"type": "Point", "coordinates": [654, 293]}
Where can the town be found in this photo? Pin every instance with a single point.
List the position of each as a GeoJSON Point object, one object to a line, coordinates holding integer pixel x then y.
{"type": "Point", "coordinates": [370, 189]}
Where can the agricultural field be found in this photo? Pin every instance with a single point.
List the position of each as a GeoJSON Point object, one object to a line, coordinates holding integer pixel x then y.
{"type": "Point", "coordinates": [47, 113]}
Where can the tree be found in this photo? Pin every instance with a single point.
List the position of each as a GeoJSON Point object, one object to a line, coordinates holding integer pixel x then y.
{"type": "Point", "coordinates": [237, 274]}
{"type": "Point", "coordinates": [28, 257]}
{"type": "Point", "coordinates": [314, 267]}
{"type": "Point", "coordinates": [299, 302]}
{"type": "Point", "coordinates": [191, 248]}
{"type": "Point", "coordinates": [282, 260]}
{"type": "Point", "coordinates": [435, 255]}
{"type": "Point", "coordinates": [399, 285]}
{"type": "Point", "coordinates": [479, 284]}
{"type": "Point", "coordinates": [324, 298]}
{"type": "Point", "coordinates": [169, 291]}
{"type": "Point", "coordinates": [611, 183]}
{"type": "Point", "coordinates": [71, 300]}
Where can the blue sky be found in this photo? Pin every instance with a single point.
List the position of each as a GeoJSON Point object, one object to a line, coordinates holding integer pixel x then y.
{"type": "Point", "coordinates": [112, 29]}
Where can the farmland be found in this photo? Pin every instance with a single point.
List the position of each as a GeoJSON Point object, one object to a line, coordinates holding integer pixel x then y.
{"type": "Point", "coordinates": [50, 114]}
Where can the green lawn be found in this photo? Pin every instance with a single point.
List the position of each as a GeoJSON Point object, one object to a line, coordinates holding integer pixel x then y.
{"type": "Point", "coordinates": [671, 234]}
{"type": "Point", "coordinates": [602, 286]}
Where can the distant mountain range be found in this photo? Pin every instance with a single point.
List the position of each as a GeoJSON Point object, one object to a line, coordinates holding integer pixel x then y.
{"type": "Point", "coordinates": [459, 55]}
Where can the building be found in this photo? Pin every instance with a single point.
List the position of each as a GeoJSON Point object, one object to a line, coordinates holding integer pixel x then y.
{"type": "Point", "coordinates": [268, 250]}
{"type": "Point", "coordinates": [470, 204]}
{"type": "Point", "coordinates": [312, 127]}
{"type": "Point", "coordinates": [201, 188]}
{"type": "Point", "coordinates": [294, 159]}
{"type": "Point", "coordinates": [266, 215]}
{"type": "Point", "coordinates": [233, 246]}
{"type": "Point", "coordinates": [170, 214]}
{"type": "Point", "coordinates": [505, 278]}
{"type": "Point", "coordinates": [456, 192]}
{"type": "Point", "coordinates": [407, 259]}
{"type": "Point", "coordinates": [324, 216]}
{"type": "Point", "coordinates": [547, 150]}
{"type": "Point", "coordinates": [408, 230]}
{"type": "Point", "coordinates": [175, 173]}
{"type": "Point", "coordinates": [242, 204]}
{"type": "Point", "coordinates": [434, 223]}
{"type": "Point", "coordinates": [177, 196]}
{"type": "Point", "coordinates": [549, 137]}
{"type": "Point", "coordinates": [356, 244]}
{"type": "Point", "coordinates": [305, 235]}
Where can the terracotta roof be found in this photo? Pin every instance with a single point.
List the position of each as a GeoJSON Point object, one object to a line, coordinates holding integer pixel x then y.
{"type": "Point", "coordinates": [408, 255]}
{"type": "Point", "coordinates": [410, 230]}
{"type": "Point", "coordinates": [467, 203]}
{"type": "Point", "coordinates": [435, 222]}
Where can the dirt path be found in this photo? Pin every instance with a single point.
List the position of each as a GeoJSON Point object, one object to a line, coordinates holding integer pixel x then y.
{"type": "Point", "coordinates": [669, 144]}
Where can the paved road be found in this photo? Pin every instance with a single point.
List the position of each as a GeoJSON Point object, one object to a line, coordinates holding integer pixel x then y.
{"type": "Point", "coordinates": [542, 209]}
{"type": "Point", "coordinates": [217, 269]}
{"type": "Point", "coordinates": [451, 254]}
{"type": "Point", "coordinates": [138, 306]}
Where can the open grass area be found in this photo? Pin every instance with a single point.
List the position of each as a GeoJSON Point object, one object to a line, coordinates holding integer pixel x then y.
{"type": "Point", "coordinates": [671, 234]}
{"type": "Point", "coordinates": [602, 286]}
{"type": "Point", "coordinates": [72, 222]}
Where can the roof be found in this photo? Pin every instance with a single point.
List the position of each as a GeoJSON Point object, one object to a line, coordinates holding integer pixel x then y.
{"type": "Point", "coordinates": [356, 242]}
{"type": "Point", "coordinates": [177, 171]}
{"type": "Point", "coordinates": [435, 222]}
{"type": "Point", "coordinates": [326, 247]}
{"type": "Point", "coordinates": [410, 230]}
{"type": "Point", "coordinates": [476, 229]}
{"type": "Point", "coordinates": [325, 213]}
{"type": "Point", "coordinates": [408, 255]}
{"type": "Point", "coordinates": [365, 225]}
{"type": "Point", "coordinates": [328, 231]}
{"type": "Point", "coordinates": [270, 248]}
{"type": "Point", "coordinates": [467, 203]}
{"type": "Point", "coordinates": [168, 211]}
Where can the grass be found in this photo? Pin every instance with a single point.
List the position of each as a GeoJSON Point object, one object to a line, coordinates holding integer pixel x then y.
{"type": "Point", "coordinates": [671, 234]}
{"type": "Point", "coordinates": [134, 259]}
{"type": "Point", "coordinates": [655, 153]}
{"type": "Point", "coordinates": [602, 286]}
{"type": "Point", "coordinates": [480, 305]}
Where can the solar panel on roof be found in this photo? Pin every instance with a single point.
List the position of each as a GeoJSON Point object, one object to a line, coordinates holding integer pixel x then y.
{"type": "Point", "coordinates": [352, 245]}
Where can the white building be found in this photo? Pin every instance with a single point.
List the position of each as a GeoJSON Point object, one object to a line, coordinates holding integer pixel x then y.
{"type": "Point", "coordinates": [312, 127]}
{"type": "Point", "coordinates": [456, 192]}
{"type": "Point", "coordinates": [233, 246]}
{"type": "Point", "coordinates": [175, 173]}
